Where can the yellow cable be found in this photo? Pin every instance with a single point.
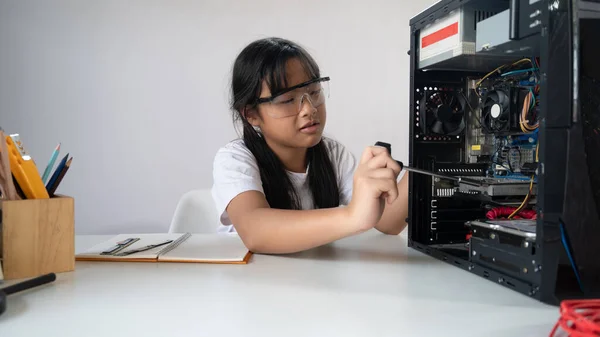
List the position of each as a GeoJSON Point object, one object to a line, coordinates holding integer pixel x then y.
{"type": "Point", "coordinates": [525, 200]}
{"type": "Point", "coordinates": [489, 74]}
{"type": "Point", "coordinates": [537, 151]}
{"type": "Point", "coordinates": [500, 67]}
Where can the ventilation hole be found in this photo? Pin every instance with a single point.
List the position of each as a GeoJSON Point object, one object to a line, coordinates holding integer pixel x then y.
{"type": "Point", "coordinates": [486, 274]}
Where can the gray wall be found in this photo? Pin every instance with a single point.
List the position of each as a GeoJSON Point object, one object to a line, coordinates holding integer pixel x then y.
{"type": "Point", "coordinates": [137, 90]}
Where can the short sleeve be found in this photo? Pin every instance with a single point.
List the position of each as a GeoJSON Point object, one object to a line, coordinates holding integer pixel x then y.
{"type": "Point", "coordinates": [345, 164]}
{"type": "Point", "coordinates": [234, 171]}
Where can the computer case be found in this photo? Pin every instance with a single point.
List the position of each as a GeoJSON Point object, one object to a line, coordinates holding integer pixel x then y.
{"type": "Point", "coordinates": [518, 110]}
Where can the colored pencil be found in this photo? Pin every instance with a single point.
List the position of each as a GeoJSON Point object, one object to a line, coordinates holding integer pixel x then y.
{"type": "Point", "coordinates": [59, 168]}
{"type": "Point", "coordinates": [51, 163]}
{"type": "Point", "coordinates": [60, 177]}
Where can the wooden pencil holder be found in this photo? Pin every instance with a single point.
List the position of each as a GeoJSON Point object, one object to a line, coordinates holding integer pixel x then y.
{"type": "Point", "coordinates": [37, 236]}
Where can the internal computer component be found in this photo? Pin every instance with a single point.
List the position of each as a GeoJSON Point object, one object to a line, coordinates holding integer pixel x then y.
{"type": "Point", "coordinates": [505, 245]}
{"type": "Point", "coordinates": [500, 110]}
{"type": "Point", "coordinates": [449, 42]}
{"type": "Point", "coordinates": [498, 116]}
{"type": "Point", "coordinates": [442, 112]}
{"type": "Point", "coordinates": [507, 119]}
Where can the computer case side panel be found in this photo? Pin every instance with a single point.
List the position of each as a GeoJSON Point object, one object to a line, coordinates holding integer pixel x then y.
{"type": "Point", "coordinates": [570, 166]}
{"type": "Point", "coordinates": [590, 121]}
{"type": "Point", "coordinates": [555, 120]}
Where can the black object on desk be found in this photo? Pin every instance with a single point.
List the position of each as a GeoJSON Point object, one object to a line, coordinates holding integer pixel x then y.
{"type": "Point", "coordinates": [15, 288]}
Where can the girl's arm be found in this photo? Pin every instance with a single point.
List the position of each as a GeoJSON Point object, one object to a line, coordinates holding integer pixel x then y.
{"type": "Point", "coordinates": [268, 230]}
{"type": "Point", "coordinates": [276, 231]}
{"type": "Point", "coordinates": [393, 220]}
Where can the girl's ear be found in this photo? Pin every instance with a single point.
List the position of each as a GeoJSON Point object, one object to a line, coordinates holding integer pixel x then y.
{"type": "Point", "coordinates": [251, 115]}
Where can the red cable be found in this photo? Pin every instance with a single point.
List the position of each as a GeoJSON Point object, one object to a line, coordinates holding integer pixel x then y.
{"type": "Point", "coordinates": [579, 318]}
{"type": "Point", "coordinates": [504, 212]}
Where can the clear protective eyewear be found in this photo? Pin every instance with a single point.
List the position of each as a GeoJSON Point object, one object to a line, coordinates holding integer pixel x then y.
{"type": "Point", "coordinates": [289, 102]}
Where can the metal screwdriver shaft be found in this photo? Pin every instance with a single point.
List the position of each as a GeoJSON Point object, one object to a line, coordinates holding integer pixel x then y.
{"type": "Point", "coordinates": [467, 181]}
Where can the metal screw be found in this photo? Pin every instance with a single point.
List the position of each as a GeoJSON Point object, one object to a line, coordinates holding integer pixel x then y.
{"type": "Point", "coordinates": [492, 236]}
{"type": "Point", "coordinates": [526, 244]}
{"type": "Point", "coordinates": [474, 253]}
{"type": "Point", "coordinates": [500, 280]}
{"type": "Point", "coordinates": [533, 262]}
{"type": "Point", "coordinates": [525, 270]}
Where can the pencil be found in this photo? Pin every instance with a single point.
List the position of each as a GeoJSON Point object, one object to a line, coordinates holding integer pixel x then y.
{"type": "Point", "coordinates": [57, 171]}
{"type": "Point", "coordinates": [60, 177]}
{"type": "Point", "coordinates": [51, 164]}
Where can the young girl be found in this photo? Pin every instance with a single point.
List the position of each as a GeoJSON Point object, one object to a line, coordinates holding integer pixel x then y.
{"type": "Point", "coordinates": [282, 185]}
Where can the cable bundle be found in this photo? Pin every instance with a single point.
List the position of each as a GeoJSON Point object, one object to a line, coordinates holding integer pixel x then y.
{"type": "Point", "coordinates": [504, 212]}
{"type": "Point", "coordinates": [579, 318]}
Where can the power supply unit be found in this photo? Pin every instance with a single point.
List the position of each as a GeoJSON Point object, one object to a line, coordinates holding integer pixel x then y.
{"type": "Point", "coordinates": [449, 41]}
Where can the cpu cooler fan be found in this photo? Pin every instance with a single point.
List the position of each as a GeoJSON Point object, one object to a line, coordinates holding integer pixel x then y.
{"type": "Point", "coordinates": [500, 109]}
{"type": "Point", "coordinates": [495, 110]}
{"type": "Point", "coordinates": [443, 113]}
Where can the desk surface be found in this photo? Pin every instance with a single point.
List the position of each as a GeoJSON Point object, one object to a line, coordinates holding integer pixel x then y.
{"type": "Point", "coordinates": [368, 285]}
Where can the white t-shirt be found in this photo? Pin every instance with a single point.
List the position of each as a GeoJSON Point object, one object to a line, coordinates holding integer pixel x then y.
{"type": "Point", "coordinates": [235, 170]}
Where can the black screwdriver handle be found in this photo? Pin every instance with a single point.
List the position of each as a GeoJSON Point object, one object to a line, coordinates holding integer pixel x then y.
{"type": "Point", "coordinates": [388, 146]}
{"type": "Point", "coordinates": [429, 173]}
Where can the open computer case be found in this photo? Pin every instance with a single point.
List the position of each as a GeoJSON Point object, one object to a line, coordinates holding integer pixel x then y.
{"type": "Point", "coordinates": [508, 93]}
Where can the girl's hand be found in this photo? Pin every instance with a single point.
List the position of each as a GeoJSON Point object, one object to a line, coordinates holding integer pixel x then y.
{"type": "Point", "coordinates": [374, 184]}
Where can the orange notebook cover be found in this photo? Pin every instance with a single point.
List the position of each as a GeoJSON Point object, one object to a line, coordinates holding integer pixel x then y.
{"type": "Point", "coordinates": [225, 248]}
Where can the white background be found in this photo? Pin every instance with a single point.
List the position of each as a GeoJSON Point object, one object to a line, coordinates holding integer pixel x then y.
{"type": "Point", "coordinates": [137, 91]}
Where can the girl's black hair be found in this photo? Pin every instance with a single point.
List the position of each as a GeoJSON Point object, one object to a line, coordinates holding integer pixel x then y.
{"type": "Point", "coordinates": [265, 60]}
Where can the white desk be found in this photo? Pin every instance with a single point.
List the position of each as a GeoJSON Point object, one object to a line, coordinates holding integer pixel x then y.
{"type": "Point", "coordinates": [369, 285]}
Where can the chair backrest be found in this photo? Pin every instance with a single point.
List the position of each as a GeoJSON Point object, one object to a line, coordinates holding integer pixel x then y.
{"type": "Point", "coordinates": [195, 213]}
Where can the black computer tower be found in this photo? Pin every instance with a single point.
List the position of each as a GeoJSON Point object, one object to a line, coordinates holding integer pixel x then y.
{"type": "Point", "coordinates": [508, 93]}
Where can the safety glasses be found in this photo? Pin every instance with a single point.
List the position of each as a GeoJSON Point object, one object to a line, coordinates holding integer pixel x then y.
{"type": "Point", "coordinates": [289, 101]}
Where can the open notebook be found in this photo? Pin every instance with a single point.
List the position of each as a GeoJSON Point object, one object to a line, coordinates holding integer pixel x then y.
{"type": "Point", "coordinates": [183, 247]}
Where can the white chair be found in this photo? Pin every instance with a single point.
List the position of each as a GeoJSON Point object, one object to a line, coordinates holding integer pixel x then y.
{"type": "Point", "coordinates": [195, 213]}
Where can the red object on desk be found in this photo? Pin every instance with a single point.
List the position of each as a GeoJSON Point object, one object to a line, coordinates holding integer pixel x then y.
{"type": "Point", "coordinates": [578, 318]}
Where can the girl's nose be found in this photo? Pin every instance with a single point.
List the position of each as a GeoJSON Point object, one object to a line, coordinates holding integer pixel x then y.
{"type": "Point", "coordinates": [307, 108]}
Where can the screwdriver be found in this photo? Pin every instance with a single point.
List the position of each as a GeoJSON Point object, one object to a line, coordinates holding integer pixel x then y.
{"type": "Point", "coordinates": [459, 180]}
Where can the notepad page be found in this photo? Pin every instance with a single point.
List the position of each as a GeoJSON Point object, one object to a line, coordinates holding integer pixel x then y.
{"type": "Point", "coordinates": [218, 247]}
{"type": "Point", "coordinates": [145, 239]}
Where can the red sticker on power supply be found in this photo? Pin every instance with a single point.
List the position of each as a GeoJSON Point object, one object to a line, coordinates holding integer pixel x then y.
{"type": "Point", "coordinates": [439, 35]}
